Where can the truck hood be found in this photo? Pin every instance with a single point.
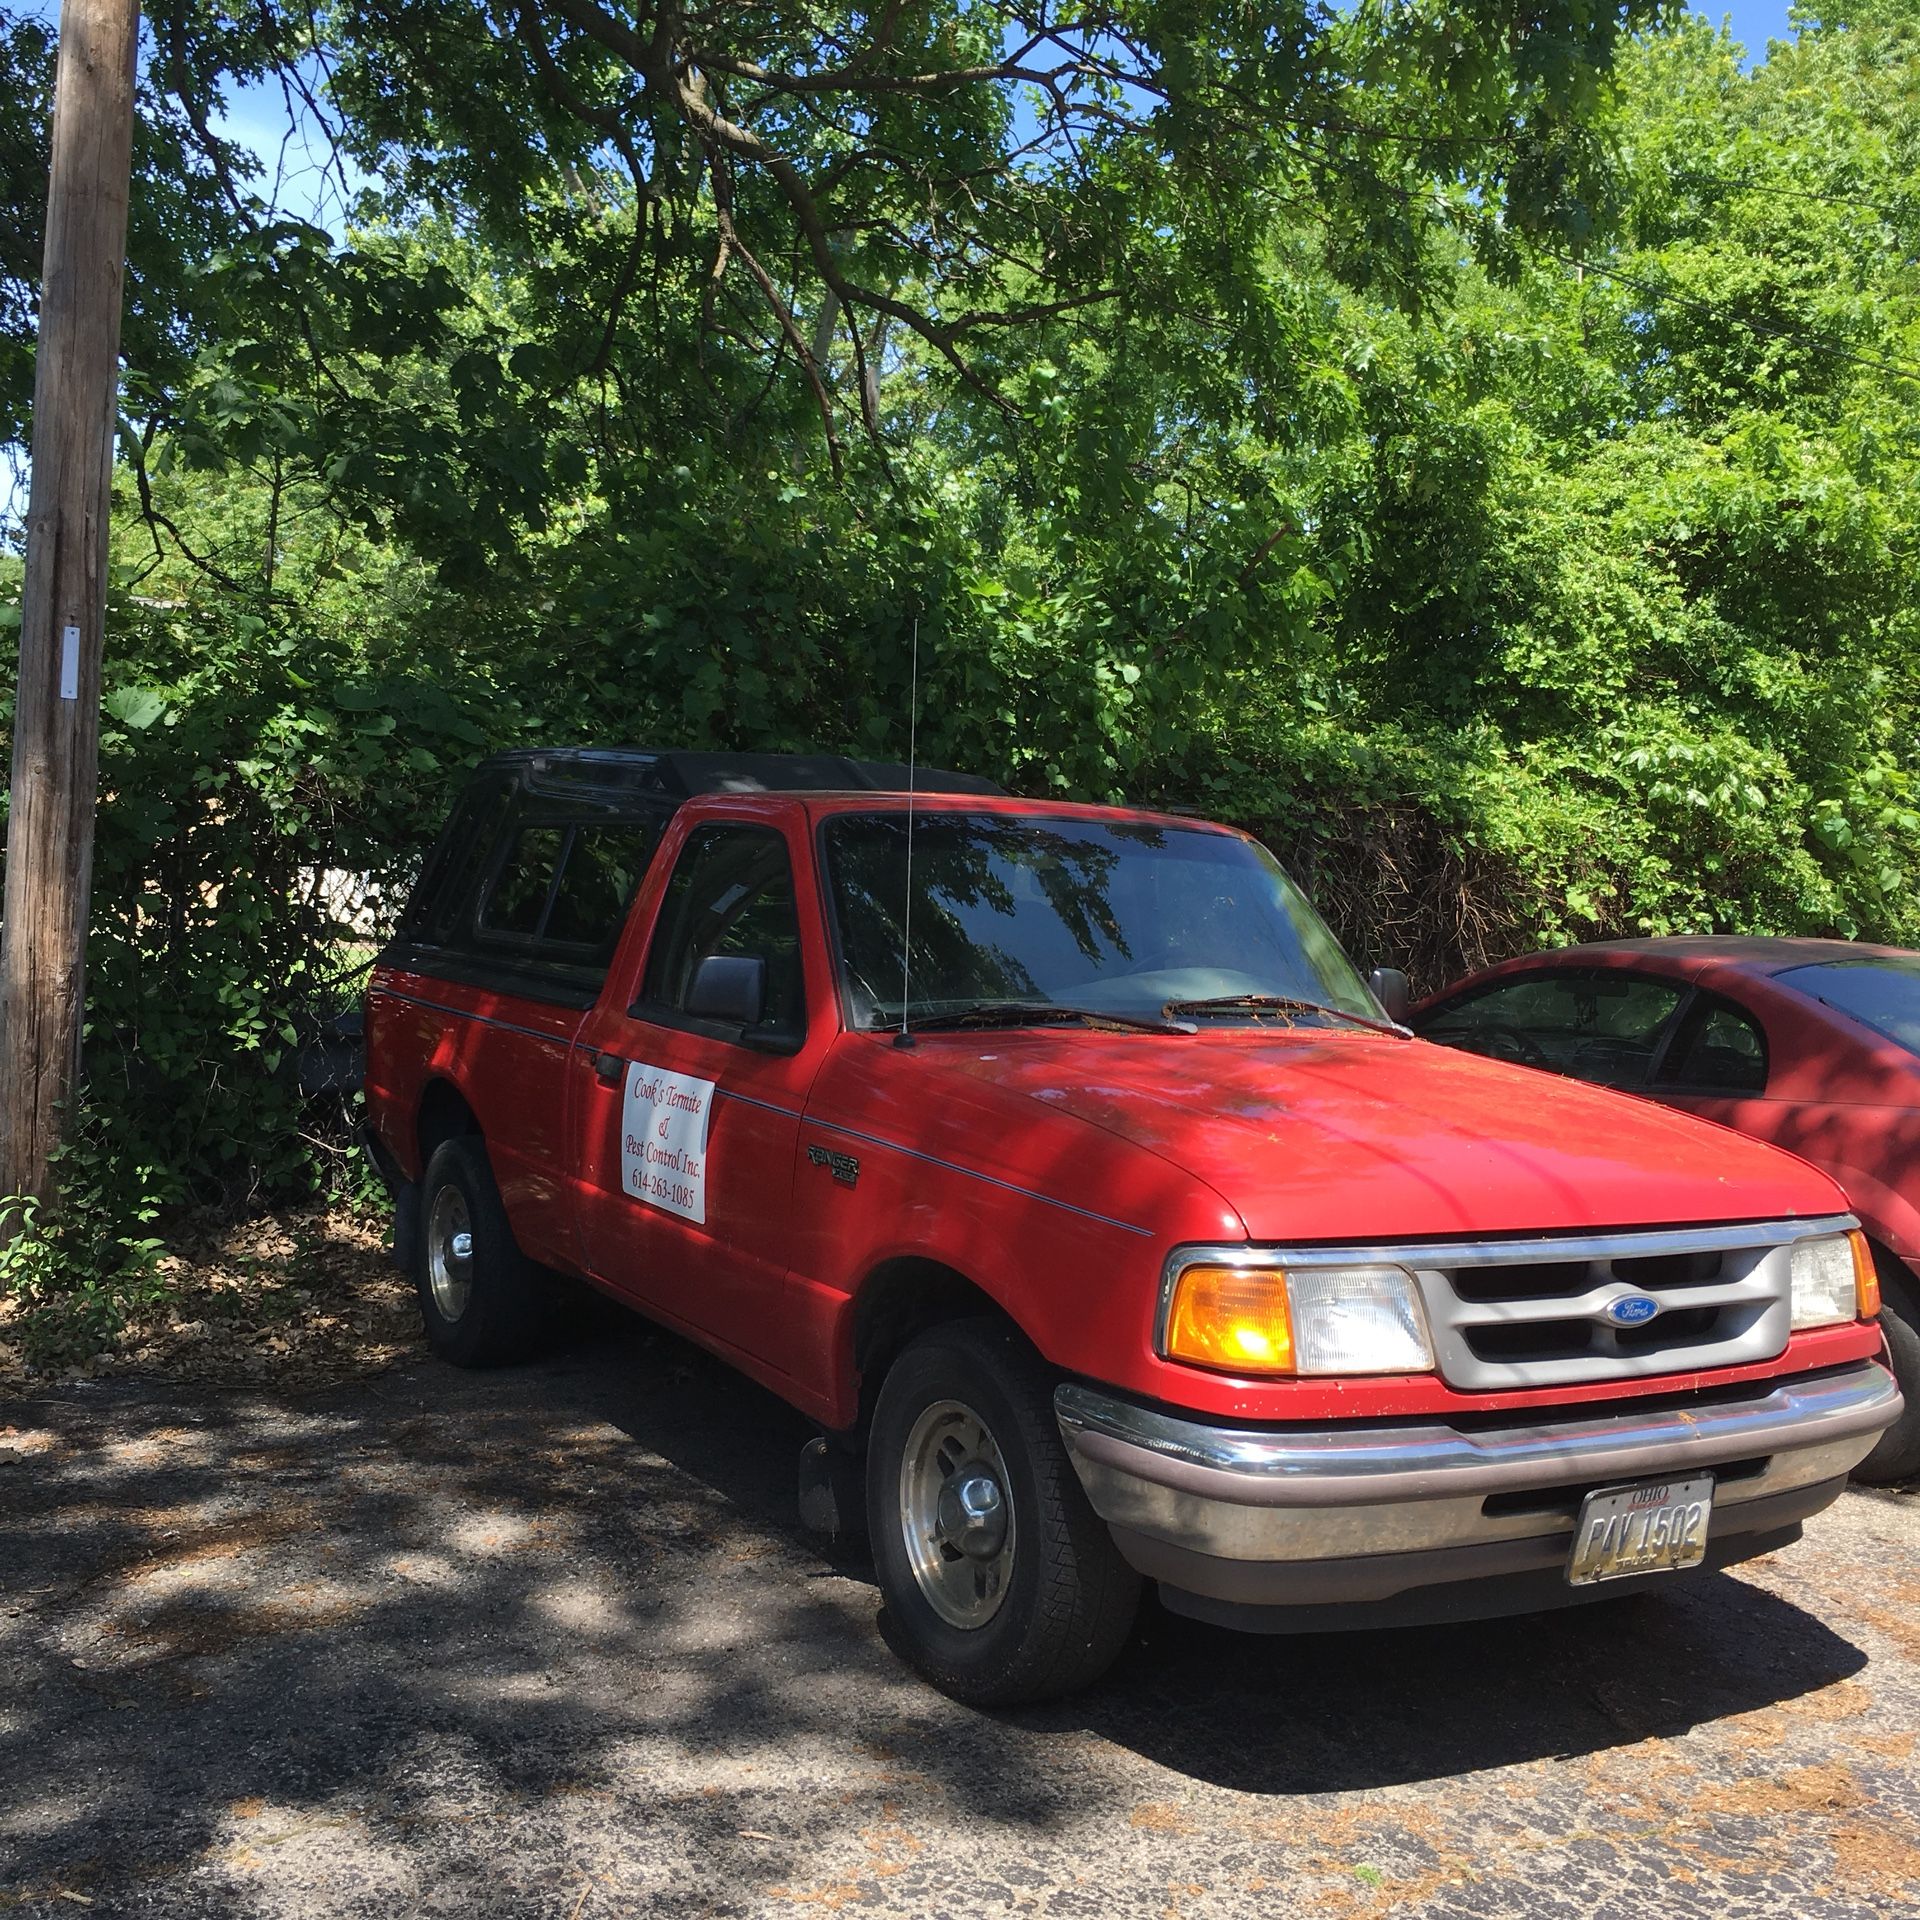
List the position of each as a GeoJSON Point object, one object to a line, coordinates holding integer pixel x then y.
{"type": "Point", "coordinates": [1329, 1136]}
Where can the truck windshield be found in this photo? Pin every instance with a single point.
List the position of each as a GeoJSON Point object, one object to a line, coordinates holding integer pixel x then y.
{"type": "Point", "coordinates": [1884, 992]}
{"type": "Point", "coordinates": [1128, 918]}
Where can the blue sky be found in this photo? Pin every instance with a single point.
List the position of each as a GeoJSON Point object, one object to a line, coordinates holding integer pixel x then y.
{"type": "Point", "coordinates": [1755, 22]}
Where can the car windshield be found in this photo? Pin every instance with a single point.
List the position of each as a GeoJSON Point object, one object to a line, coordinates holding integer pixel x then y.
{"type": "Point", "coordinates": [1120, 917]}
{"type": "Point", "coordinates": [1884, 992]}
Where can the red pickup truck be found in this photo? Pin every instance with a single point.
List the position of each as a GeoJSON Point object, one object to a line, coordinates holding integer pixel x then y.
{"type": "Point", "coordinates": [1059, 1164]}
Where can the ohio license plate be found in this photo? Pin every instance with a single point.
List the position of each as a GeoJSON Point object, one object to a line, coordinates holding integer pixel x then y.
{"type": "Point", "coordinates": [1655, 1526]}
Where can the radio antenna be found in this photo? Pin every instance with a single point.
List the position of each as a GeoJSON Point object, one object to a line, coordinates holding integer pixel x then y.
{"type": "Point", "coordinates": [903, 1038]}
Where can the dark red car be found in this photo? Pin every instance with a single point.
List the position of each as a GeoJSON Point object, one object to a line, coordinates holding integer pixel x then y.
{"type": "Point", "coordinates": [1813, 1045]}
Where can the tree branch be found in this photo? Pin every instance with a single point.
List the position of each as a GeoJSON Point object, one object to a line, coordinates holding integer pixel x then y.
{"type": "Point", "coordinates": [136, 445]}
{"type": "Point", "coordinates": [723, 218]}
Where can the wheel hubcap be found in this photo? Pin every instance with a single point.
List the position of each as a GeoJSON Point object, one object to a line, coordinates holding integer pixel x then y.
{"type": "Point", "coordinates": [450, 1253]}
{"type": "Point", "coordinates": [955, 1514]}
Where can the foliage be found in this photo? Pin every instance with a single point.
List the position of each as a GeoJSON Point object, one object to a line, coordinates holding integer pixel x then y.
{"type": "Point", "coordinates": [601, 233]}
{"type": "Point", "coordinates": [796, 182]}
{"type": "Point", "coordinates": [1653, 525]}
{"type": "Point", "coordinates": [76, 1270]}
{"type": "Point", "coordinates": [1493, 478]}
{"type": "Point", "coordinates": [258, 776]}
{"type": "Point", "coordinates": [182, 211]}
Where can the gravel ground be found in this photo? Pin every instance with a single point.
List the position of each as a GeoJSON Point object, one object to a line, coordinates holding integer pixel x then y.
{"type": "Point", "coordinates": [552, 1642]}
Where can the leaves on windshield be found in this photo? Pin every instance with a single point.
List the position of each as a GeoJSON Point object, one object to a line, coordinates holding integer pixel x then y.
{"type": "Point", "coordinates": [1114, 915]}
{"type": "Point", "coordinates": [974, 862]}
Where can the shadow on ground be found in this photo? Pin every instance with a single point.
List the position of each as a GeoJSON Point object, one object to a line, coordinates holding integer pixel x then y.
{"type": "Point", "coordinates": [514, 1642]}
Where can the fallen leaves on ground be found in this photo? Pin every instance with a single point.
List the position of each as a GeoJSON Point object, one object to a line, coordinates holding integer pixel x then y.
{"type": "Point", "coordinates": [303, 1298]}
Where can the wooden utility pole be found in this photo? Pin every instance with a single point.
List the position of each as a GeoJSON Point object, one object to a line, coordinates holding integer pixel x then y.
{"type": "Point", "coordinates": [56, 727]}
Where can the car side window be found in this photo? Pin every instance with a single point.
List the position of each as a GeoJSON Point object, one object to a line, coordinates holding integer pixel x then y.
{"type": "Point", "coordinates": [598, 879]}
{"type": "Point", "coordinates": [563, 890]}
{"type": "Point", "coordinates": [1605, 1027]}
{"type": "Point", "coordinates": [731, 893]}
{"type": "Point", "coordinates": [1719, 1050]}
{"type": "Point", "coordinates": [454, 870]}
{"type": "Point", "coordinates": [518, 902]}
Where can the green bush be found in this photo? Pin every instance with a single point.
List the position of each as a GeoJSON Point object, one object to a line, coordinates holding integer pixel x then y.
{"type": "Point", "coordinates": [79, 1268]}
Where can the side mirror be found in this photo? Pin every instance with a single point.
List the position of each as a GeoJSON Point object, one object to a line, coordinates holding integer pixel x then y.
{"type": "Point", "coordinates": [1391, 989]}
{"type": "Point", "coordinates": [729, 987]}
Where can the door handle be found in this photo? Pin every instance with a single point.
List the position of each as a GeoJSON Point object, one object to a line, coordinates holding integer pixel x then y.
{"type": "Point", "coordinates": [607, 1068]}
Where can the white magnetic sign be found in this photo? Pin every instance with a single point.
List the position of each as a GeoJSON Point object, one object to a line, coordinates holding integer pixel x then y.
{"type": "Point", "coordinates": [69, 663]}
{"type": "Point", "coordinates": [663, 1140]}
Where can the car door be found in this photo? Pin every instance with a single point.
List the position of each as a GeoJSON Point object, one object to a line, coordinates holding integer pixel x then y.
{"type": "Point", "coordinates": [1801, 1086]}
{"type": "Point", "coordinates": [1601, 1024]}
{"type": "Point", "coordinates": [689, 1123]}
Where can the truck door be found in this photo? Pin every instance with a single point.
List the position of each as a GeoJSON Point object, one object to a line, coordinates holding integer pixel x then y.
{"type": "Point", "coordinates": [689, 1117]}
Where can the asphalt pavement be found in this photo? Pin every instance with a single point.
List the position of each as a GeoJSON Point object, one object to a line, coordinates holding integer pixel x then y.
{"type": "Point", "coordinates": [552, 1642]}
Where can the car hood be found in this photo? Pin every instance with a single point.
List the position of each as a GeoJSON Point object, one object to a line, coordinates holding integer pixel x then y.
{"type": "Point", "coordinates": [1327, 1136]}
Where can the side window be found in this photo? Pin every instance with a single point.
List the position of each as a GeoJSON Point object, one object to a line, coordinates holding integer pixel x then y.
{"type": "Point", "coordinates": [1603, 1027]}
{"type": "Point", "coordinates": [598, 880]}
{"type": "Point", "coordinates": [456, 864]}
{"type": "Point", "coordinates": [518, 902]}
{"type": "Point", "coordinates": [731, 893]}
{"type": "Point", "coordinates": [1720, 1050]}
{"type": "Point", "coordinates": [562, 891]}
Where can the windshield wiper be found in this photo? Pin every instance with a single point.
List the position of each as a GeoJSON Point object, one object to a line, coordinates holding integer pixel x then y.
{"type": "Point", "coordinates": [1278, 1003]}
{"type": "Point", "coordinates": [1030, 1013]}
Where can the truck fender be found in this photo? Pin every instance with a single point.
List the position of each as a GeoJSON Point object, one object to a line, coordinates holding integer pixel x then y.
{"type": "Point", "coordinates": [899, 1298]}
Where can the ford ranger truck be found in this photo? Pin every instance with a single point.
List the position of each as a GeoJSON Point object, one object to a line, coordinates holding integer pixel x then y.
{"type": "Point", "coordinates": [1056, 1161]}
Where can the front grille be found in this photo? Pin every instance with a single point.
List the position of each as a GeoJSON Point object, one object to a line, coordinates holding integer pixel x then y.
{"type": "Point", "coordinates": [1569, 1339]}
{"type": "Point", "coordinates": [1555, 1279]}
{"type": "Point", "coordinates": [1535, 1314]}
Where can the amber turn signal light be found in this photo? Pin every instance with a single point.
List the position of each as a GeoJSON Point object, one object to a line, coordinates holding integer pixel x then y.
{"type": "Point", "coordinates": [1866, 1277]}
{"type": "Point", "coordinates": [1234, 1319]}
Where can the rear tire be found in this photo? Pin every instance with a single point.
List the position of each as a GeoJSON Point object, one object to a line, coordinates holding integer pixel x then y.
{"type": "Point", "coordinates": [1897, 1455]}
{"type": "Point", "coordinates": [1001, 1582]}
{"type": "Point", "coordinates": [480, 1296]}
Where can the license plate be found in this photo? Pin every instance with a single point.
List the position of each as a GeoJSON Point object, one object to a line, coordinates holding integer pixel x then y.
{"type": "Point", "coordinates": [1656, 1526]}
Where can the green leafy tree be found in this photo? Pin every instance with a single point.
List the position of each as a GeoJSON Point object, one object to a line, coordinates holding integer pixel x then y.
{"type": "Point", "coordinates": [1633, 623]}
{"type": "Point", "coordinates": [1465, 443]}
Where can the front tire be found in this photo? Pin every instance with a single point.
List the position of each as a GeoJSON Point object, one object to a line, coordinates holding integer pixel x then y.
{"type": "Point", "coordinates": [480, 1296]}
{"type": "Point", "coordinates": [1001, 1582]}
{"type": "Point", "coordinates": [1896, 1456]}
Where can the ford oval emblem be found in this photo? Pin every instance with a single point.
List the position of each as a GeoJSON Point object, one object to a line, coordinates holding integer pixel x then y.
{"type": "Point", "coordinates": [1632, 1310]}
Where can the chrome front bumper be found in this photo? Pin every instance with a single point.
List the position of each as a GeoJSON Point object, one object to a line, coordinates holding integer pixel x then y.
{"type": "Point", "coordinates": [1329, 1516]}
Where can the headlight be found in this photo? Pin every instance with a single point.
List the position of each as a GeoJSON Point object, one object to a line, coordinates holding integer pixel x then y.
{"type": "Point", "coordinates": [1833, 1280]}
{"type": "Point", "coordinates": [1300, 1320]}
